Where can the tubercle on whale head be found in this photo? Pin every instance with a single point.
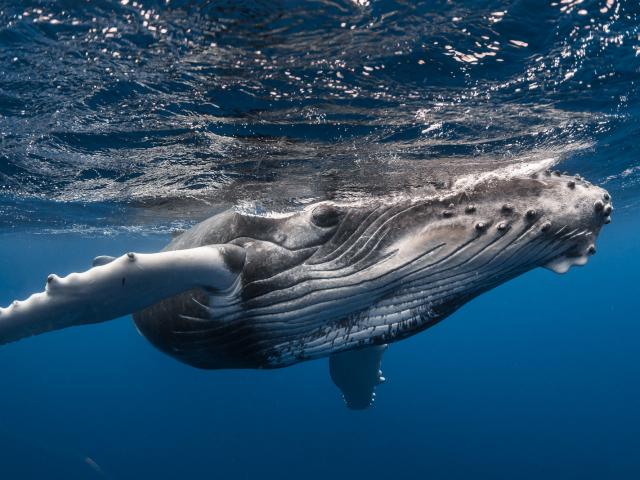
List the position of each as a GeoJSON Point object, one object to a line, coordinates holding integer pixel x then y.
{"type": "Point", "coordinates": [579, 210]}
{"type": "Point", "coordinates": [565, 213]}
{"type": "Point", "coordinates": [559, 215]}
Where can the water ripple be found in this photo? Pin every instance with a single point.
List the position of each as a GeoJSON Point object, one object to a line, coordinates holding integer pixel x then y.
{"type": "Point", "coordinates": [173, 108]}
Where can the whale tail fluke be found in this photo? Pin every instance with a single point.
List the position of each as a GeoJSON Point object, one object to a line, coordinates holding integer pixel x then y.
{"type": "Point", "coordinates": [118, 287]}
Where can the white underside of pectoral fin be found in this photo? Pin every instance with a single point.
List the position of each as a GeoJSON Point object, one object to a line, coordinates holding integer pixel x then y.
{"type": "Point", "coordinates": [121, 286]}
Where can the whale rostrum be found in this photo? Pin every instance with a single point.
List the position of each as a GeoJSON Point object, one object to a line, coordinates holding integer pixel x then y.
{"type": "Point", "coordinates": [342, 280]}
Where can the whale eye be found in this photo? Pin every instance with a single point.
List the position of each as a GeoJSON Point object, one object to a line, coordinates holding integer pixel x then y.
{"type": "Point", "coordinates": [325, 216]}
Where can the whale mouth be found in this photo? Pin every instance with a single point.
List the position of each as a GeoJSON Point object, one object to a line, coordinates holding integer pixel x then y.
{"type": "Point", "coordinates": [589, 211]}
{"type": "Point", "coordinates": [563, 263]}
{"type": "Point", "coordinates": [575, 257]}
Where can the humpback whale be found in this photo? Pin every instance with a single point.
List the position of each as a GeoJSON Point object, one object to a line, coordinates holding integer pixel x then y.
{"type": "Point", "coordinates": [337, 280]}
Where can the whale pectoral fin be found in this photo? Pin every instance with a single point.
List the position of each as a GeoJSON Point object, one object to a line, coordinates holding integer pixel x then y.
{"type": "Point", "coordinates": [124, 285]}
{"type": "Point", "coordinates": [102, 260]}
{"type": "Point", "coordinates": [356, 373]}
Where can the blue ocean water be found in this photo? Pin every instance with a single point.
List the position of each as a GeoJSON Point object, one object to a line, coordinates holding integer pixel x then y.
{"type": "Point", "coordinates": [122, 121]}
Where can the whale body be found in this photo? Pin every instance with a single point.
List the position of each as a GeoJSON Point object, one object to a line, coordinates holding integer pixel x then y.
{"type": "Point", "coordinates": [338, 280]}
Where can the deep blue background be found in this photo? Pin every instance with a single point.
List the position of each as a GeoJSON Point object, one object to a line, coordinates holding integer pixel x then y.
{"type": "Point", "coordinates": [535, 379]}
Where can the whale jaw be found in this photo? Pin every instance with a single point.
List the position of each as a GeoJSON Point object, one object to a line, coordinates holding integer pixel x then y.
{"type": "Point", "coordinates": [561, 265]}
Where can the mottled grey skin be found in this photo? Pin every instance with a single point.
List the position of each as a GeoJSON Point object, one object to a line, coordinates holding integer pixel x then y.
{"type": "Point", "coordinates": [339, 277]}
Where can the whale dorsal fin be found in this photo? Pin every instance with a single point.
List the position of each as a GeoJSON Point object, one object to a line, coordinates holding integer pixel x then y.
{"type": "Point", "coordinates": [120, 286]}
{"type": "Point", "coordinates": [356, 373]}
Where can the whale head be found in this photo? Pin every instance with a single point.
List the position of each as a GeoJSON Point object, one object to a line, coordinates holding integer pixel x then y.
{"type": "Point", "coordinates": [483, 234]}
{"type": "Point", "coordinates": [417, 261]}
{"type": "Point", "coordinates": [518, 223]}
